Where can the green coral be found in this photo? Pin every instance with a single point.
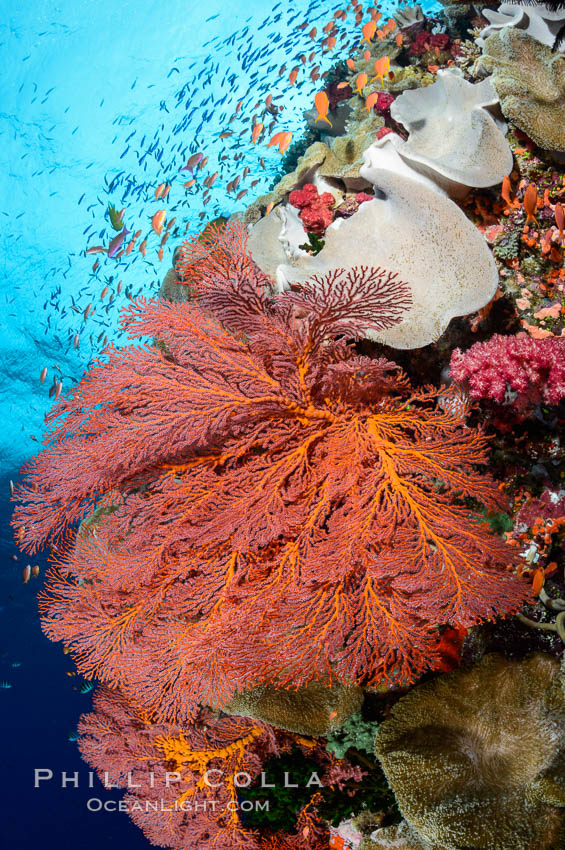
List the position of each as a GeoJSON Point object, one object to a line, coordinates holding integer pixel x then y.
{"type": "Point", "coordinates": [314, 244]}
{"type": "Point", "coordinates": [356, 733]}
{"type": "Point", "coordinates": [279, 806]}
{"type": "Point", "coordinates": [508, 247]}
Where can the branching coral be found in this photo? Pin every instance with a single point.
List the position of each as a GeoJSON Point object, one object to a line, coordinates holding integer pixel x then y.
{"type": "Point", "coordinates": [287, 510]}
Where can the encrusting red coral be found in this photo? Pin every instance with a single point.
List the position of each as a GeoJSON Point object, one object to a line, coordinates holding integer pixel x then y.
{"type": "Point", "coordinates": [278, 508]}
{"type": "Point", "coordinates": [316, 211]}
{"type": "Point", "coordinates": [426, 41]}
{"type": "Point", "coordinates": [516, 370]}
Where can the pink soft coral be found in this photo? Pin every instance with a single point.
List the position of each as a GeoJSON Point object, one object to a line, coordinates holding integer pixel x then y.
{"type": "Point", "coordinates": [316, 211]}
{"type": "Point", "coordinates": [533, 370]}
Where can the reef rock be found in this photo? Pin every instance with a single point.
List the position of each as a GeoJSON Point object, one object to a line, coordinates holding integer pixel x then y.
{"type": "Point", "coordinates": [530, 81]}
{"type": "Point", "coordinates": [536, 20]}
{"type": "Point", "coordinates": [312, 710]}
{"type": "Point", "coordinates": [453, 133]}
{"type": "Point", "coordinates": [346, 156]}
{"type": "Point", "coordinates": [338, 118]}
{"type": "Point", "coordinates": [413, 229]}
{"type": "Point", "coordinates": [410, 19]}
{"type": "Point", "coordinates": [476, 758]}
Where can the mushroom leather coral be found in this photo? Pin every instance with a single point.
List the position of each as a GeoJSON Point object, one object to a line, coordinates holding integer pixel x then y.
{"type": "Point", "coordinates": [283, 509]}
{"type": "Point", "coordinates": [476, 758]}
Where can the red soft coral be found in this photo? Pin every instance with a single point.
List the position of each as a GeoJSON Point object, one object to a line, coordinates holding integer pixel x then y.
{"type": "Point", "coordinates": [316, 211]}
{"type": "Point", "coordinates": [384, 102]}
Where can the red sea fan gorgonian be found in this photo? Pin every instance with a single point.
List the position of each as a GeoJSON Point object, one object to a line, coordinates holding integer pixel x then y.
{"type": "Point", "coordinates": [273, 507]}
{"type": "Point", "coordinates": [185, 785]}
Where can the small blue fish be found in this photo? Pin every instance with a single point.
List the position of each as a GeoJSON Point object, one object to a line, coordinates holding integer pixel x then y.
{"type": "Point", "coordinates": [5, 685]}
{"type": "Point", "coordinates": [86, 687]}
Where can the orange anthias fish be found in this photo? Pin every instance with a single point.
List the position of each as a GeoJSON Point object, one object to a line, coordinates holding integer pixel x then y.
{"type": "Point", "coordinates": [293, 75]}
{"type": "Point", "coordinates": [282, 140]}
{"type": "Point", "coordinates": [142, 248]}
{"type": "Point", "coordinates": [361, 82]}
{"type": "Point", "coordinates": [158, 220]}
{"type": "Point", "coordinates": [559, 214]}
{"type": "Point", "coordinates": [350, 64]}
{"type": "Point", "coordinates": [505, 194]}
{"type": "Point", "coordinates": [399, 38]}
{"type": "Point", "coordinates": [371, 100]}
{"type": "Point", "coordinates": [382, 66]}
{"type": "Point", "coordinates": [322, 104]}
{"type": "Point", "coordinates": [256, 131]}
{"type": "Point", "coordinates": [369, 31]}
{"type": "Point", "coordinates": [531, 203]}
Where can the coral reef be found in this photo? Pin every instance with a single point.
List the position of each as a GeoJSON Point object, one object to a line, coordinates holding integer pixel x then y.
{"type": "Point", "coordinates": [410, 226]}
{"type": "Point", "coordinates": [536, 20]}
{"type": "Point", "coordinates": [530, 81]}
{"type": "Point", "coordinates": [241, 526]}
{"type": "Point", "coordinates": [184, 784]}
{"type": "Point", "coordinates": [275, 543]}
{"type": "Point", "coordinates": [458, 782]}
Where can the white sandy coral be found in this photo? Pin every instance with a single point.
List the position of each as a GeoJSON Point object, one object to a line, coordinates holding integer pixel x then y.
{"type": "Point", "coordinates": [537, 21]}
{"type": "Point", "coordinates": [414, 229]}
{"type": "Point", "coordinates": [454, 136]}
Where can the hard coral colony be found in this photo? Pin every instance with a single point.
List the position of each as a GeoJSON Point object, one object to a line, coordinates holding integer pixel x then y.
{"type": "Point", "coordinates": [308, 491]}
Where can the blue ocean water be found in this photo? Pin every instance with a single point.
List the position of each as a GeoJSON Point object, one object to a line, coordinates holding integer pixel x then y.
{"type": "Point", "coordinates": [102, 102]}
